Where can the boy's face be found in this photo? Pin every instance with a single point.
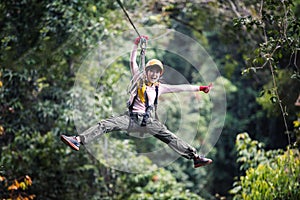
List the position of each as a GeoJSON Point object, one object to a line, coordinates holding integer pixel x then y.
{"type": "Point", "coordinates": [153, 74]}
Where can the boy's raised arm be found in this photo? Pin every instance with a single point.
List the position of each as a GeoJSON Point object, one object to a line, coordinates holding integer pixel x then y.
{"type": "Point", "coordinates": [134, 68]}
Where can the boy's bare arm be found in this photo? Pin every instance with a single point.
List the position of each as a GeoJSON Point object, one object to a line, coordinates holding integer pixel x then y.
{"type": "Point", "coordinates": [165, 88]}
{"type": "Point", "coordinates": [133, 64]}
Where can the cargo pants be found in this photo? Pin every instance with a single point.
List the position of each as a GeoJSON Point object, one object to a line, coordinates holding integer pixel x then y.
{"type": "Point", "coordinates": [132, 123]}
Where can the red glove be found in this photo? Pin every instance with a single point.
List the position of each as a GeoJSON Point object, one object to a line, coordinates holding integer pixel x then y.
{"type": "Point", "coordinates": [137, 40]}
{"type": "Point", "coordinates": [205, 89]}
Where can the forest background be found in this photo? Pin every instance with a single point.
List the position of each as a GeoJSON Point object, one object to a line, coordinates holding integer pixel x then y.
{"type": "Point", "coordinates": [255, 45]}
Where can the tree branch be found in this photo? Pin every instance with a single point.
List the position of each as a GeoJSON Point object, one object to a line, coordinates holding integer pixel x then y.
{"type": "Point", "coordinates": [186, 24]}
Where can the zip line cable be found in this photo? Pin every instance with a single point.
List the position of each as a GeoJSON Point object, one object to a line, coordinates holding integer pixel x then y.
{"type": "Point", "coordinates": [121, 5]}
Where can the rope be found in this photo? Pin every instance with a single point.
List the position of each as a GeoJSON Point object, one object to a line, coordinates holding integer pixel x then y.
{"type": "Point", "coordinates": [121, 5]}
{"type": "Point", "coordinates": [143, 41]}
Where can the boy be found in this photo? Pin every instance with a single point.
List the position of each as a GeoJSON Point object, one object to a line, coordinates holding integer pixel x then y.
{"type": "Point", "coordinates": [142, 101]}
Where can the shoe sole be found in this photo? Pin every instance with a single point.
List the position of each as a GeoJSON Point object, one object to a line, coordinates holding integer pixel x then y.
{"type": "Point", "coordinates": [203, 164]}
{"type": "Point", "coordinates": [70, 144]}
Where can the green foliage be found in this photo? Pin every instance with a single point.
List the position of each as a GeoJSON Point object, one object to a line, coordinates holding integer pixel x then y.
{"type": "Point", "coordinates": [251, 152]}
{"type": "Point", "coordinates": [156, 185]}
{"type": "Point", "coordinates": [297, 130]}
{"type": "Point", "coordinates": [120, 155]}
{"type": "Point", "coordinates": [33, 32]}
{"type": "Point", "coordinates": [276, 50]}
{"type": "Point", "coordinates": [17, 95]}
{"type": "Point", "coordinates": [196, 180]}
{"type": "Point", "coordinates": [28, 100]}
{"type": "Point", "coordinates": [287, 91]}
{"type": "Point", "coordinates": [48, 163]}
{"type": "Point", "coordinates": [269, 174]}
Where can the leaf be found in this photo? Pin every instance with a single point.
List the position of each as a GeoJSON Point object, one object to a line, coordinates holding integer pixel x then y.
{"type": "Point", "coordinates": [261, 93]}
{"type": "Point", "coordinates": [23, 186]}
{"type": "Point", "coordinates": [28, 180]}
{"type": "Point", "coordinates": [2, 178]}
{"type": "Point", "coordinates": [273, 99]}
{"type": "Point", "coordinates": [12, 187]}
{"type": "Point", "coordinates": [235, 190]}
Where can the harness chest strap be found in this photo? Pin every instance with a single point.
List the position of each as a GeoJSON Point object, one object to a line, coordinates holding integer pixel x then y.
{"type": "Point", "coordinates": [149, 107]}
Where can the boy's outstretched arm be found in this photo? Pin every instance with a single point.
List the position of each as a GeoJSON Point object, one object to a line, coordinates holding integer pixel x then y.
{"type": "Point", "coordinates": [165, 88]}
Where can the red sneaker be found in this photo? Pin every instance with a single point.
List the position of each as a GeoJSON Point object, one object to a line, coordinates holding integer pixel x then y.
{"type": "Point", "coordinates": [201, 161]}
{"type": "Point", "coordinates": [71, 141]}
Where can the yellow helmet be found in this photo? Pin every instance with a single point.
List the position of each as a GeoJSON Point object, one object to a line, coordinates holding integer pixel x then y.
{"type": "Point", "coordinates": [155, 62]}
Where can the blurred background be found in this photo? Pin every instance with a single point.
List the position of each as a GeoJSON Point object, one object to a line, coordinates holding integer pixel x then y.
{"type": "Point", "coordinates": [44, 46]}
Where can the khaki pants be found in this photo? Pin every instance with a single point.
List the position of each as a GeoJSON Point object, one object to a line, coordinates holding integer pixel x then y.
{"type": "Point", "coordinates": [132, 124]}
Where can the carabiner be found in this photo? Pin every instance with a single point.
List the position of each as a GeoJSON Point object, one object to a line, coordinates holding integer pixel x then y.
{"type": "Point", "coordinates": [143, 42]}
